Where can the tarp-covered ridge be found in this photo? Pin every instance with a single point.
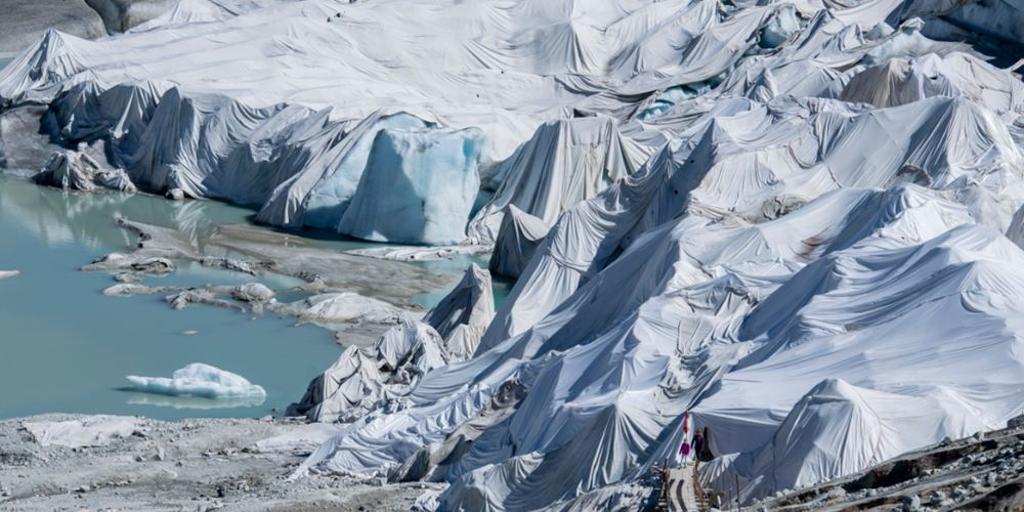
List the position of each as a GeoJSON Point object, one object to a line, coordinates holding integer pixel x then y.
{"type": "Point", "coordinates": [793, 227]}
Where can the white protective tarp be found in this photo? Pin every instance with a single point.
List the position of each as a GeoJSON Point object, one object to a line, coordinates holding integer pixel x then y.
{"type": "Point", "coordinates": [565, 162]}
{"type": "Point", "coordinates": [802, 261]}
{"type": "Point", "coordinates": [518, 237]}
{"type": "Point", "coordinates": [362, 377]}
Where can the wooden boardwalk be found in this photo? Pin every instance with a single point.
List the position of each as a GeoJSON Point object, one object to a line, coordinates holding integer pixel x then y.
{"type": "Point", "coordinates": [682, 490]}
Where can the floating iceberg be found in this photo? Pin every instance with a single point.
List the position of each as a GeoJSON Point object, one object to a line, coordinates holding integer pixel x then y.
{"type": "Point", "coordinates": [198, 380]}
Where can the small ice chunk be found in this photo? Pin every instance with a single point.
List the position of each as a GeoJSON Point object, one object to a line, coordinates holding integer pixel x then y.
{"type": "Point", "coordinates": [197, 380]}
{"type": "Point", "coordinates": [7, 274]}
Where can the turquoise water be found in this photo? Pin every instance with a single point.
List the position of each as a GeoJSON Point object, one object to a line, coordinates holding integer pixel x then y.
{"type": "Point", "coordinates": [65, 347]}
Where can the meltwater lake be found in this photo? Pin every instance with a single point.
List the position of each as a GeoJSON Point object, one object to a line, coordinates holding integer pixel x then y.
{"type": "Point", "coordinates": [66, 347]}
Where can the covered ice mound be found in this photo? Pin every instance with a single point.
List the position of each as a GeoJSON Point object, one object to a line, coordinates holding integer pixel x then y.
{"type": "Point", "coordinates": [298, 165]}
{"type": "Point", "coordinates": [364, 379]}
{"type": "Point", "coordinates": [118, 116]}
{"type": "Point", "coordinates": [931, 330]}
{"type": "Point", "coordinates": [35, 73]}
{"type": "Point", "coordinates": [183, 12]}
{"type": "Point", "coordinates": [837, 429]}
{"type": "Point", "coordinates": [198, 380]}
{"type": "Point", "coordinates": [755, 163]}
{"type": "Point", "coordinates": [518, 238]}
{"type": "Point", "coordinates": [644, 300]}
{"type": "Point", "coordinates": [77, 170]}
{"type": "Point", "coordinates": [899, 81]}
{"type": "Point", "coordinates": [418, 187]}
{"type": "Point", "coordinates": [345, 307]}
{"type": "Point", "coordinates": [565, 162]}
{"type": "Point", "coordinates": [463, 315]}
{"type": "Point", "coordinates": [330, 162]}
{"type": "Point", "coordinates": [1001, 20]}
{"type": "Point", "coordinates": [612, 367]}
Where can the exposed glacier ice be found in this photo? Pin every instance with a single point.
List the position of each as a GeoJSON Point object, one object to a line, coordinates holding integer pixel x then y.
{"type": "Point", "coordinates": [328, 200]}
{"type": "Point", "coordinates": [418, 187]}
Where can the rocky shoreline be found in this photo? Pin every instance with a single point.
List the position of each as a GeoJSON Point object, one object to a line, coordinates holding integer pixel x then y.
{"type": "Point", "coordinates": [139, 464]}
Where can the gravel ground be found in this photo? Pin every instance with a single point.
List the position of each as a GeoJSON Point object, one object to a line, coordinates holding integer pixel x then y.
{"type": "Point", "coordinates": [984, 472]}
{"type": "Point", "coordinates": [193, 465]}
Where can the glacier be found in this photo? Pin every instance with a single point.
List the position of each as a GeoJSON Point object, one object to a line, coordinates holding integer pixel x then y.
{"type": "Point", "coordinates": [418, 187]}
{"type": "Point", "coordinates": [798, 222]}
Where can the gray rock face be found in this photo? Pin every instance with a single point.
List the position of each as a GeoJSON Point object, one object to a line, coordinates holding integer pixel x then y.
{"type": "Point", "coordinates": [1016, 422]}
{"type": "Point", "coordinates": [22, 148]}
{"type": "Point", "coordinates": [25, 21]}
{"type": "Point", "coordinates": [121, 15]}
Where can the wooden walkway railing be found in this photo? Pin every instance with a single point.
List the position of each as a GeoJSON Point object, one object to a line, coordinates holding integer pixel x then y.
{"type": "Point", "coordinates": [682, 490]}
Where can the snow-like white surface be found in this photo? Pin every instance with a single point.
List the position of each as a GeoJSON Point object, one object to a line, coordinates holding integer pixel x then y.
{"type": "Point", "coordinates": [304, 438]}
{"type": "Point", "coordinates": [364, 377]}
{"type": "Point", "coordinates": [414, 253]}
{"type": "Point", "coordinates": [564, 163]}
{"type": "Point", "coordinates": [197, 380]}
{"type": "Point", "coordinates": [342, 307]}
{"type": "Point", "coordinates": [813, 262]}
{"type": "Point", "coordinates": [90, 431]}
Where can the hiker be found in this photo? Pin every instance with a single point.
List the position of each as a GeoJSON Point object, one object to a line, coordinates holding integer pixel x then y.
{"type": "Point", "coordinates": [705, 454]}
{"type": "Point", "coordinates": [698, 445]}
{"type": "Point", "coordinates": [683, 455]}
